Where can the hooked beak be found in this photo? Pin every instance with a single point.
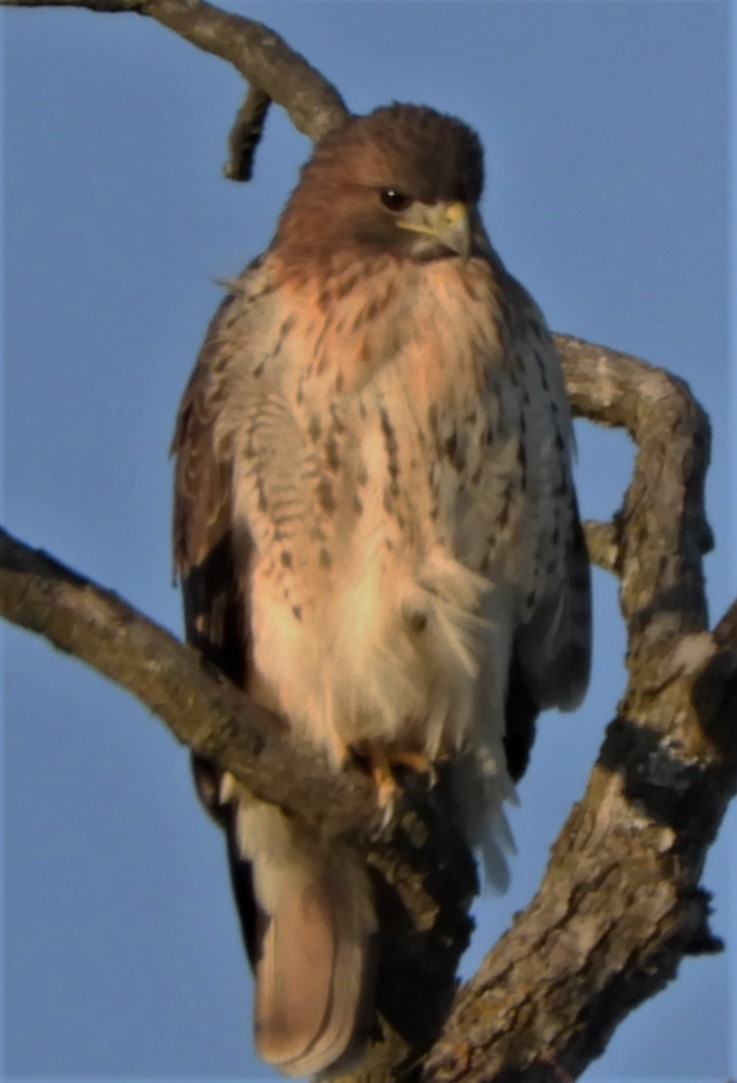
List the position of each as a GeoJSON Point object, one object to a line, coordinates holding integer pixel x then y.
{"type": "Point", "coordinates": [447, 223]}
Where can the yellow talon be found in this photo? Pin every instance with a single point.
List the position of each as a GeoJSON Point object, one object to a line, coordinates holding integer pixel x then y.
{"type": "Point", "coordinates": [382, 759]}
{"type": "Point", "coordinates": [416, 761]}
{"type": "Point", "coordinates": [384, 781]}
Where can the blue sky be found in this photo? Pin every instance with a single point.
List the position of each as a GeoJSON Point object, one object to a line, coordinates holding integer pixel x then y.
{"type": "Point", "coordinates": [606, 129]}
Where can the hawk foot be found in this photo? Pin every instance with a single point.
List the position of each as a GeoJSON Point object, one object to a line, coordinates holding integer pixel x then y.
{"type": "Point", "coordinates": [382, 759]}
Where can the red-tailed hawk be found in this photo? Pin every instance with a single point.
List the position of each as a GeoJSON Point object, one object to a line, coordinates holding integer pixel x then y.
{"type": "Point", "coordinates": [376, 531]}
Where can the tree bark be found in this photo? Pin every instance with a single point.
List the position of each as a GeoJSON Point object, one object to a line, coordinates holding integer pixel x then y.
{"type": "Point", "coordinates": [620, 904]}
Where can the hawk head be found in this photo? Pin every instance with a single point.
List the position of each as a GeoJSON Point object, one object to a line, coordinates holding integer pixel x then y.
{"type": "Point", "coordinates": [403, 180]}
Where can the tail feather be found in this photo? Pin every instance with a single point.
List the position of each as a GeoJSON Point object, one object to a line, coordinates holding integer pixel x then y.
{"type": "Point", "coordinates": [309, 986]}
{"type": "Point", "coordinates": [313, 938]}
{"type": "Point", "coordinates": [294, 978]}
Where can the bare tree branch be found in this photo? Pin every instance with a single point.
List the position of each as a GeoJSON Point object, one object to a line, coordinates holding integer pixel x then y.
{"type": "Point", "coordinates": [274, 70]}
{"type": "Point", "coordinates": [620, 903]}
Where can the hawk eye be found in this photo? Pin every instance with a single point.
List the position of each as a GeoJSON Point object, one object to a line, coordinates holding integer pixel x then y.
{"type": "Point", "coordinates": [394, 200]}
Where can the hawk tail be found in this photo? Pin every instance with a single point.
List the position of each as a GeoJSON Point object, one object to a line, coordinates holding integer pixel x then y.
{"type": "Point", "coordinates": [308, 920]}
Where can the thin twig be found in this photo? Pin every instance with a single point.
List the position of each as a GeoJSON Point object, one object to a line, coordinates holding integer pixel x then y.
{"type": "Point", "coordinates": [246, 134]}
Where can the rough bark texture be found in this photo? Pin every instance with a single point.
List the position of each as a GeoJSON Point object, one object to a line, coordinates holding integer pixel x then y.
{"type": "Point", "coordinates": [620, 904]}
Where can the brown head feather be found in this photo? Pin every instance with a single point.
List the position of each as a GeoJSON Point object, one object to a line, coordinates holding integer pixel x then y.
{"type": "Point", "coordinates": [429, 156]}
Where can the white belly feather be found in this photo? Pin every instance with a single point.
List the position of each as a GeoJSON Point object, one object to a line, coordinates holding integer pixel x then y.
{"type": "Point", "coordinates": [381, 524]}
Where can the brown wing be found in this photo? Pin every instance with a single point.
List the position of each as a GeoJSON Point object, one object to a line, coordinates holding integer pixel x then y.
{"type": "Point", "coordinates": [551, 654]}
{"type": "Point", "coordinates": [214, 613]}
{"type": "Point", "coordinates": [215, 621]}
{"type": "Point", "coordinates": [552, 650]}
